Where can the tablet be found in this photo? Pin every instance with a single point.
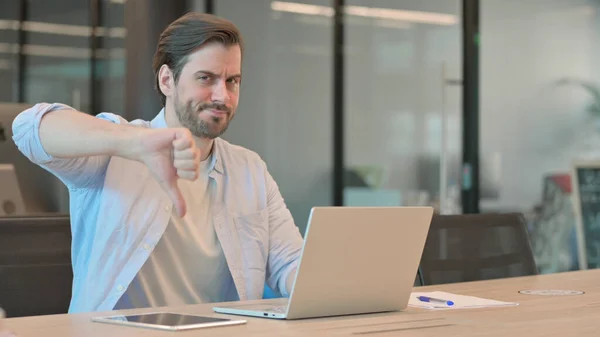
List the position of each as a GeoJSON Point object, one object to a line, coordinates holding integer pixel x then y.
{"type": "Point", "coordinates": [167, 321]}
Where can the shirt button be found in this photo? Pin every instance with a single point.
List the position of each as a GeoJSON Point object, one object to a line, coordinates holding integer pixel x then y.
{"type": "Point", "coordinates": [146, 246]}
{"type": "Point", "coordinates": [167, 208]}
{"type": "Point", "coordinates": [120, 288]}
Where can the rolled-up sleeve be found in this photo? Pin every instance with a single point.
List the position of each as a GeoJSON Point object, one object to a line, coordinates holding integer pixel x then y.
{"type": "Point", "coordinates": [285, 241]}
{"type": "Point", "coordinates": [73, 172]}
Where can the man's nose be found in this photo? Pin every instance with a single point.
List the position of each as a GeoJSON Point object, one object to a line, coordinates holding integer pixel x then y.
{"type": "Point", "coordinates": [220, 93]}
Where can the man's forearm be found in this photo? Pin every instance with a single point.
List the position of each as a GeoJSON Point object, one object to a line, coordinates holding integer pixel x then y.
{"type": "Point", "coordinates": [289, 283]}
{"type": "Point", "coordinates": [69, 133]}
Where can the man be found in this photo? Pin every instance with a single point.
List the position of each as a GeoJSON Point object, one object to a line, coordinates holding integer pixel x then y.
{"type": "Point", "coordinates": [165, 212]}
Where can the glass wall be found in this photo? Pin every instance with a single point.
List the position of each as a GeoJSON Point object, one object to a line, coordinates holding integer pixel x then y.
{"type": "Point", "coordinates": [9, 37]}
{"type": "Point", "coordinates": [57, 52]}
{"type": "Point", "coordinates": [402, 89]}
{"type": "Point", "coordinates": [111, 56]}
{"type": "Point", "coordinates": [285, 111]}
{"type": "Point", "coordinates": [47, 55]}
{"type": "Point", "coordinates": [55, 42]}
{"type": "Point", "coordinates": [539, 113]}
{"type": "Point", "coordinates": [402, 96]}
{"type": "Point", "coordinates": [402, 103]}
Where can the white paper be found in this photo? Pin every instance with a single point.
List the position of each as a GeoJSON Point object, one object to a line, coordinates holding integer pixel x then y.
{"type": "Point", "coordinates": [460, 301]}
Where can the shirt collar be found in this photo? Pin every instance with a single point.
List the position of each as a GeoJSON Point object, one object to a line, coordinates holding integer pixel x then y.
{"type": "Point", "coordinates": [159, 121]}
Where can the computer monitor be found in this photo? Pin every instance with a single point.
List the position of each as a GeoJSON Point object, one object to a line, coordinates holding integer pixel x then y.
{"type": "Point", "coordinates": [41, 191]}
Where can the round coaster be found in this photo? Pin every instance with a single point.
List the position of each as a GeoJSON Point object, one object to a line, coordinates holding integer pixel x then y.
{"type": "Point", "coordinates": [551, 292]}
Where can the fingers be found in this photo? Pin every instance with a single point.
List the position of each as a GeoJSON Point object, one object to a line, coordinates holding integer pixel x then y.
{"type": "Point", "coordinates": [188, 175]}
{"type": "Point", "coordinates": [189, 153]}
{"type": "Point", "coordinates": [186, 157]}
{"type": "Point", "coordinates": [187, 164]}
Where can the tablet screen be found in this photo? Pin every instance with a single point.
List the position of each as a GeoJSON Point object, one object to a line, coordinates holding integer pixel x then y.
{"type": "Point", "coordinates": [168, 319]}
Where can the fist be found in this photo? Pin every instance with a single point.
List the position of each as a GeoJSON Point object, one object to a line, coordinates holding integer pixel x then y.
{"type": "Point", "coordinates": [170, 154]}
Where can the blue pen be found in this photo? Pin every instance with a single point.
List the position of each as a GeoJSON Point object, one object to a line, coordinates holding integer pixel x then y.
{"type": "Point", "coordinates": [436, 300]}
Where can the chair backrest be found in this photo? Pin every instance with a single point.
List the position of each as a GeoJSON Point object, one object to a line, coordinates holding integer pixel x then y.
{"type": "Point", "coordinates": [473, 247]}
{"type": "Point", "coordinates": [35, 265]}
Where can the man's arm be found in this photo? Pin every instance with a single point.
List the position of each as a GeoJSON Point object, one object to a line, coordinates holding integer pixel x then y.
{"type": "Point", "coordinates": [290, 280]}
{"type": "Point", "coordinates": [285, 242]}
{"type": "Point", "coordinates": [77, 147]}
{"type": "Point", "coordinates": [67, 133]}
{"type": "Point", "coordinates": [44, 125]}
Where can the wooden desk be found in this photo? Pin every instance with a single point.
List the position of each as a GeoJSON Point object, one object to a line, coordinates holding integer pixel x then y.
{"type": "Point", "coordinates": [535, 316]}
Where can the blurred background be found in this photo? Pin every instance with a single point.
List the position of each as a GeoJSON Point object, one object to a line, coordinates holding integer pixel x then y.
{"type": "Point", "coordinates": [468, 106]}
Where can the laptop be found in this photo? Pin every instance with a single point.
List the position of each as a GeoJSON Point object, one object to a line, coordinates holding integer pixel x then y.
{"type": "Point", "coordinates": [40, 190]}
{"type": "Point", "coordinates": [355, 260]}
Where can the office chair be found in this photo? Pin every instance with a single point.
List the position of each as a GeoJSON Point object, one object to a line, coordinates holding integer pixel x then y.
{"type": "Point", "coordinates": [419, 278]}
{"type": "Point", "coordinates": [35, 265]}
{"type": "Point", "coordinates": [471, 247]}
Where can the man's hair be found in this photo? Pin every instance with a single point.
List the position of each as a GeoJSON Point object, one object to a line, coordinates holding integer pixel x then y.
{"type": "Point", "coordinates": [184, 36]}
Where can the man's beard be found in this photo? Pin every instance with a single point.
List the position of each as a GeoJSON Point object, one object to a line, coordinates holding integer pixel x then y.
{"type": "Point", "coordinates": [189, 117]}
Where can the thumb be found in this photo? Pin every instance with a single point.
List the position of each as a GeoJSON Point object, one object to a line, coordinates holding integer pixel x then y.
{"type": "Point", "coordinates": [176, 197]}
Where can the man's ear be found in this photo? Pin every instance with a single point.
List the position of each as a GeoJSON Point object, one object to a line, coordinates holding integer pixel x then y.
{"type": "Point", "coordinates": [166, 81]}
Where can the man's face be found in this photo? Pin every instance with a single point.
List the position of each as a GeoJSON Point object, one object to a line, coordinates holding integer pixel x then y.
{"type": "Point", "coordinates": [207, 93]}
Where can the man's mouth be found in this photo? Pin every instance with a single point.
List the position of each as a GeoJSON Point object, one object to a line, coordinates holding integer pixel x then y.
{"type": "Point", "coordinates": [215, 112]}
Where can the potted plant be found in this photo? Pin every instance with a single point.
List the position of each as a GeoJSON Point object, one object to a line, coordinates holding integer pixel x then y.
{"type": "Point", "coordinates": [592, 88]}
